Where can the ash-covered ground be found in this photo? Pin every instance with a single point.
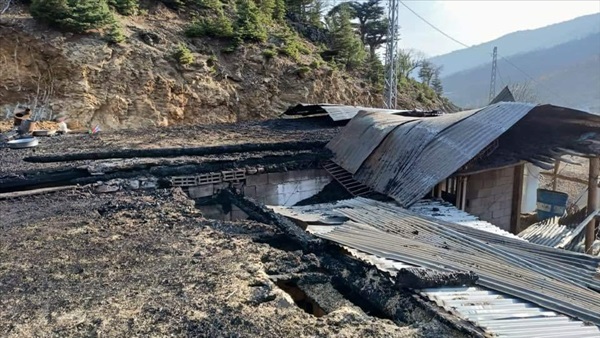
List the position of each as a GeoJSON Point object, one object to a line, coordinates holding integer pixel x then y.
{"type": "Point", "coordinates": [128, 264]}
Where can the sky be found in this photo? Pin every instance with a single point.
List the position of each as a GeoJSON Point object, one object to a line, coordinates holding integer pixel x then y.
{"type": "Point", "coordinates": [475, 22]}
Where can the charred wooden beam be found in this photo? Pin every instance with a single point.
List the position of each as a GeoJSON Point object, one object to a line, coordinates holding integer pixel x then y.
{"type": "Point", "coordinates": [260, 213]}
{"type": "Point", "coordinates": [176, 152]}
{"type": "Point", "coordinates": [52, 178]}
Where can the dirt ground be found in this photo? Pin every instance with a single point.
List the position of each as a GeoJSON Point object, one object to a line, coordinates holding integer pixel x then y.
{"type": "Point", "coordinates": [76, 264]}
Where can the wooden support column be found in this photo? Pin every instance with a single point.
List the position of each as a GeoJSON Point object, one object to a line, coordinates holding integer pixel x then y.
{"type": "Point", "coordinates": [440, 188]}
{"type": "Point", "coordinates": [593, 203]}
{"type": "Point", "coordinates": [457, 185]}
{"type": "Point", "coordinates": [555, 175]}
{"type": "Point", "coordinates": [463, 195]}
{"type": "Point", "coordinates": [517, 198]}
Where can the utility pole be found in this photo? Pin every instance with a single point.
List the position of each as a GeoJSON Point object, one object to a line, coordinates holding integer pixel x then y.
{"type": "Point", "coordinates": [390, 94]}
{"type": "Point", "coordinates": [493, 79]}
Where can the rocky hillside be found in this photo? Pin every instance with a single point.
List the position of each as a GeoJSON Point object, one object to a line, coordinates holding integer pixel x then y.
{"type": "Point", "coordinates": [141, 82]}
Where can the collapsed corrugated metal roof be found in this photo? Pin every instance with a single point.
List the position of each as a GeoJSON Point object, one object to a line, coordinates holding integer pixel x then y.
{"type": "Point", "coordinates": [555, 279]}
{"type": "Point", "coordinates": [338, 112]}
{"type": "Point", "coordinates": [447, 212]}
{"type": "Point", "coordinates": [501, 313]}
{"type": "Point", "coordinates": [505, 95]}
{"type": "Point", "coordinates": [555, 233]}
{"type": "Point", "coordinates": [405, 158]}
{"type": "Point", "coordinates": [409, 159]}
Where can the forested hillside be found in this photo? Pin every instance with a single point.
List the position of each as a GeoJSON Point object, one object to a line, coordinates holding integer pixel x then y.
{"type": "Point", "coordinates": [520, 42]}
{"type": "Point", "coordinates": [131, 63]}
{"type": "Point", "coordinates": [567, 74]}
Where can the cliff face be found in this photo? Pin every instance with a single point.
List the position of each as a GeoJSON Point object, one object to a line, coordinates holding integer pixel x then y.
{"type": "Point", "coordinates": [138, 83]}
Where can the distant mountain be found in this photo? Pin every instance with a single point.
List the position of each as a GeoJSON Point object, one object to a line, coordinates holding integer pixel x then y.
{"type": "Point", "coordinates": [519, 42]}
{"type": "Point", "coordinates": [567, 74]}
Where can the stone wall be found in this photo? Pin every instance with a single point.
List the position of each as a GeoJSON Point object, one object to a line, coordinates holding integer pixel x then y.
{"type": "Point", "coordinates": [489, 196]}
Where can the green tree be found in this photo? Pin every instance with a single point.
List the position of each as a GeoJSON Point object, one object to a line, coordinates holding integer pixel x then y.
{"type": "Point", "coordinates": [372, 24]}
{"type": "Point", "coordinates": [279, 11]}
{"type": "Point", "coordinates": [350, 49]}
{"type": "Point", "coordinates": [72, 15]}
{"type": "Point", "coordinates": [183, 55]}
{"type": "Point", "coordinates": [408, 60]}
{"type": "Point", "coordinates": [436, 84]}
{"type": "Point", "coordinates": [125, 7]}
{"type": "Point", "coordinates": [115, 33]}
{"type": "Point", "coordinates": [426, 72]}
{"type": "Point", "coordinates": [251, 25]}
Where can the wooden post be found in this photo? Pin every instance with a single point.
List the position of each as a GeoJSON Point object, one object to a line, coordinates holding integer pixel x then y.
{"type": "Point", "coordinates": [458, 191]}
{"type": "Point", "coordinates": [517, 198]}
{"type": "Point", "coordinates": [555, 175]}
{"type": "Point", "coordinates": [464, 197]}
{"type": "Point", "coordinates": [590, 231]}
{"type": "Point", "coordinates": [440, 188]}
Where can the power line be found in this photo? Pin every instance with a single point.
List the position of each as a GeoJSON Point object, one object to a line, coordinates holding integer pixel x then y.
{"type": "Point", "coordinates": [432, 25]}
{"type": "Point", "coordinates": [467, 46]}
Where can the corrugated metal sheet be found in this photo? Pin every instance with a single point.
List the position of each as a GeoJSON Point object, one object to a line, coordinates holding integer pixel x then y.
{"type": "Point", "coordinates": [539, 277]}
{"type": "Point", "coordinates": [505, 316]}
{"type": "Point", "coordinates": [505, 95]}
{"type": "Point", "coordinates": [340, 112]}
{"type": "Point", "coordinates": [498, 313]}
{"type": "Point", "coordinates": [370, 127]}
{"type": "Point", "coordinates": [552, 233]}
{"type": "Point", "coordinates": [445, 211]}
{"type": "Point", "coordinates": [415, 156]}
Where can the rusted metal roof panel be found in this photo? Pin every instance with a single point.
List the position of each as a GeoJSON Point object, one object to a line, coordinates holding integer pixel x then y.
{"type": "Point", "coordinates": [369, 127]}
{"type": "Point", "coordinates": [414, 156]}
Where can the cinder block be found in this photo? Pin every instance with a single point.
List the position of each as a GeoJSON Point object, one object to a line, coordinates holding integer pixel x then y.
{"type": "Point", "coordinates": [201, 191]}
{"type": "Point", "coordinates": [250, 191]}
{"type": "Point", "coordinates": [260, 179]}
{"type": "Point", "coordinates": [266, 189]}
{"type": "Point", "coordinates": [276, 178]}
{"type": "Point", "coordinates": [484, 192]}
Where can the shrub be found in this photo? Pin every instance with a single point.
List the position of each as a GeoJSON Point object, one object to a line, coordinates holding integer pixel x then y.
{"type": "Point", "coordinates": [183, 55]}
{"type": "Point", "coordinates": [125, 7]}
{"type": "Point", "coordinates": [219, 27]}
{"type": "Point", "coordinates": [72, 15]}
{"type": "Point", "coordinates": [316, 64]}
{"type": "Point", "coordinates": [269, 54]}
{"type": "Point", "coordinates": [302, 71]}
{"type": "Point", "coordinates": [115, 33]}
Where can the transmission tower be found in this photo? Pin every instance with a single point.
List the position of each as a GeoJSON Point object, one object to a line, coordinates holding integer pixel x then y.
{"type": "Point", "coordinates": [390, 94]}
{"type": "Point", "coordinates": [493, 79]}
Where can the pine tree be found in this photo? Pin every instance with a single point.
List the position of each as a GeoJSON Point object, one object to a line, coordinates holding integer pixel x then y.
{"type": "Point", "coordinates": [125, 7]}
{"type": "Point", "coordinates": [73, 15]}
{"type": "Point", "coordinates": [251, 23]}
{"type": "Point", "coordinates": [279, 11]}
{"type": "Point", "coordinates": [426, 72]}
{"type": "Point", "coordinates": [351, 51]}
{"type": "Point", "coordinates": [436, 84]}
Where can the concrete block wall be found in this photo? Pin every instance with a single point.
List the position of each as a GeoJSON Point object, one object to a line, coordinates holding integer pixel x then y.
{"type": "Point", "coordinates": [286, 188]}
{"type": "Point", "coordinates": [489, 196]}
